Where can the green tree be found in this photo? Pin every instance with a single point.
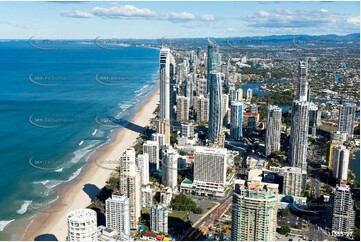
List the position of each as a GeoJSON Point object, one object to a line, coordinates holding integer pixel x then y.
{"type": "Point", "coordinates": [284, 229]}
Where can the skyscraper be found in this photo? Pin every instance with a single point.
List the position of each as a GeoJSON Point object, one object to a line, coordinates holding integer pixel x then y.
{"type": "Point", "coordinates": [225, 104]}
{"type": "Point", "coordinates": [299, 134]}
{"type": "Point", "coordinates": [117, 213]}
{"type": "Point", "coordinates": [164, 83]}
{"type": "Point", "coordinates": [142, 162]}
{"type": "Point", "coordinates": [82, 225]}
{"type": "Point", "coordinates": [254, 210]}
{"type": "Point", "coordinates": [183, 104]}
{"type": "Point", "coordinates": [314, 119]}
{"type": "Point", "coordinates": [340, 162]}
{"type": "Point", "coordinates": [201, 108]}
{"type": "Point", "coordinates": [273, 129]}
{"type": "Point", "coordinates": [159, 219]}
{"type": "Point", "coordinates": [341, 213]}
{"type": "Point", "coordinates": [236, 120]}
{"type": "Point", "coordinates": [346, 118]}
{"type": "Point", "coordinates": [129, 184]}
{"type": "Point", "coordinates": [152, 149]}
{"type": "Point", "coordinates": [302, 85]}
{"type": "Point", "coordinates": [210, 167]}
{"type": "Point", "coordinates": [239, 94]}
{"type": "Point", "coordinates": [170, 168]}
{"type": "Point", "coordinates": [188, 90]}
{"type": "Point", "coordinates": [249, 95]}
{"type": "Point", "coordinates": [215, 107]}
{"type": "Point", "coordinates": [213, 63]}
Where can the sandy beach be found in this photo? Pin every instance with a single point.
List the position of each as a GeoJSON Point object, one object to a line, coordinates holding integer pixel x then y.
{"type": "Point", "coordinates": [52, 225]}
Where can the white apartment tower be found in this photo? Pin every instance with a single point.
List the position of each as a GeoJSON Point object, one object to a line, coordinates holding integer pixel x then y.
{"type": "Point", "coordinates": [82, 225]}
{"type": "Point", "coordinates": [183, 105]}
{"type": "Point", "coordinates": [273, 129]}
{"type": "Point", "coordinates": [152, 149]}
{"type": "Point", "coordinates": [142, 162]}
{"type": "Point", "coordinates": [170, 168]}
{"type": "Point", "coordinates": [340, 162]}
{"type": "Point", "coordinates": [130, 184]}
{"type": "Point", "coordinates": [117, 213]}
{"type": "Point", "coordinates": [159, 219]}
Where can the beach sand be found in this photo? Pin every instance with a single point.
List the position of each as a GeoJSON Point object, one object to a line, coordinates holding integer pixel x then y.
{"type": "Point", "coordinates": [52, 224]}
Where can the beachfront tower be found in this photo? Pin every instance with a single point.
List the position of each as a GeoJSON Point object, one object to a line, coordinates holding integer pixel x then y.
{"type": "Point", "coordinates": [82, 225]}
{"type": "Point", "coordinates": [164, 83]}
{"type": "Point", "coordinates": [129, 185]}
{"type": "Point", "coordinates": [142, 163]}
{"type": "Point", "coordinates": [117, 213]}
{"type": "Point", "coordinates": [170, 168]}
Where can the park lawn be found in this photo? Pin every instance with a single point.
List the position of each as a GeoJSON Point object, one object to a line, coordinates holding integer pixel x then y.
{"type": "Point", "coordinates": [327, 128]}
{"type": "Point", "coordinates": [182, 215]}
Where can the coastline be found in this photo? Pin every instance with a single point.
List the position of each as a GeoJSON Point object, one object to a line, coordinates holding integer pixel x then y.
{"type": "Point", "coordinates": [52, 224]}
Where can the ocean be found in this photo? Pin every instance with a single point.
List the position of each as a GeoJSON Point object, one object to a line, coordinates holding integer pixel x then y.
{"type": "Point", "coordinates": [57, 106]}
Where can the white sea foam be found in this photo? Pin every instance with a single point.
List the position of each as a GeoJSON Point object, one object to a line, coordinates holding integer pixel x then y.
{"type": "Point", "coordinates": [95, 131]}
{"type": "Point", "coordinates": [3, 223]}
{"type": "Point", "coordinates": [24, 207]}
{"type": "Point", "coordinates": [59, 170]}
{"type": "Point", "coordinates": [75, 174]}
{"type": "Point", "coordinates": [81, 142]}
{"type": "Point", "coordinates": [41, 182]}
{"type": "Point", "coordinates": [53, 183]}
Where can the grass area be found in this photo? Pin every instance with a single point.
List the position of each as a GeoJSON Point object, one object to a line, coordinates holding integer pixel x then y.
{"type": "Point", "coordinates": [174, 214]}
{"type": "Point", "coordinates": [327, 128]}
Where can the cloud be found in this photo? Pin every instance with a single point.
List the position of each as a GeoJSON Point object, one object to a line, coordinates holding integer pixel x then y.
{"type": "Point", "coordinates": [353, 20]}
{"type": "Point", "coordinates": [181, 16]}
{"type": "Point", "coordinates": [76, 14]}
{"type": "Point", "coordinates": [126, 11]}
{"type": "Point", "coordinates": [208, 17]}
{"type": "Point", "coordinates": [283, 18]}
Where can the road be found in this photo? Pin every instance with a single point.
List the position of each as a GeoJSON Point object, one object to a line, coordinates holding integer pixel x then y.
{"type": "Point", "coordinates": [201, 227]}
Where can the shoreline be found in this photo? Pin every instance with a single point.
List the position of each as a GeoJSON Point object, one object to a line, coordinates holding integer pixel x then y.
{"type": "Point", "coordinates": [77, 193]}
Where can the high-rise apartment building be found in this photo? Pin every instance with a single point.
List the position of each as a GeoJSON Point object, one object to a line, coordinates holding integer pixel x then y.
{"type": "Point", "coordinates": [314, 119]}
{"type": "Point", "coordinates": [239, 94]}
{"type": "Point", "coordinates": [340, 162]}
{"type": "Point", "coordinates": [183, 104]}
{"type": "Point", "coordinates": [249, 95]}
{"type": "Point", "coordinates": [164, 83]}
{"type": "Point", "coordinates": [213, 63]}
{"type": "Point", "coordinates": [236, 120]}
{"type": "Point", "coordinates": [273, 129]}
{"type": "Point", "coordinates": [130, 184]}
{"type": "Point", "coordinates": [201, 108]}
{"type": "Point", "coordinates": [346, 118]}
{"type": "Point", "coordinates": [159, 219]}
{"type": "Point", "coordinates": [215, 107]}
{"type": "Point", "coordinates": [254, 210]}
{"type": "Point", "coordinates": [82, 225]}
{"type": "Point", "coordinates": [302, 85]}
{"type": "Point", "coordinates": [117, 213]}
{"type": "Point", "coordinates": [142, 163]}
{"type": "Point", "coordinates": [170, 168]}
{"type": "Point", "coordinates": [152, 149]}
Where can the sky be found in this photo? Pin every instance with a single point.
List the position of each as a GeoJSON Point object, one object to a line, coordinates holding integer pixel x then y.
{"type": "Point", "coordinates": [125, 19]}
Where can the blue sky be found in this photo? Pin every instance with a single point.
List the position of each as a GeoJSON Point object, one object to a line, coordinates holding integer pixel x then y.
{"type": "Point", "coordinates": [175, 19]}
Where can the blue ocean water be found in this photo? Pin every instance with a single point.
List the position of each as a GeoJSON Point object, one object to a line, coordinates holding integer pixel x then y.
{"type": "Point", "coordinates": [49, 103]}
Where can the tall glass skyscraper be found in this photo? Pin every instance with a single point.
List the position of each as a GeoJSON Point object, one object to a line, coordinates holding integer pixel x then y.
{"type": "Point", "coordinates": [302, 85]}
{"type": "Point", "coordinates": [236, 120]}
{"type": "Point", "coordinates": [346, 118]}
{"type": "Point", "coordinates": [213, 63]}
{"type": "Point", "coordinates": [299, 134]}
{"type": "Point", "coordinates": [215, 106]}
{"type": "Point", "coordinates": [273, 129]}
{"type": "Point", "coordinates": [164, 83]}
